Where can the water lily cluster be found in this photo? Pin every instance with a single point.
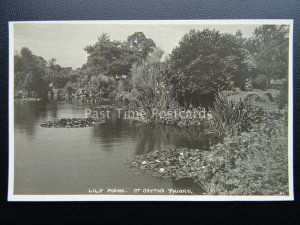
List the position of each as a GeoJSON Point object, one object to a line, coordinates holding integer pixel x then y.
{"type": "Point", "coordinates": [73, 123]}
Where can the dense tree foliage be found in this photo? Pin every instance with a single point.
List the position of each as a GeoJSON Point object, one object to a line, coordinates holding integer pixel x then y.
{"type": "Point", "coordinates": [29, 72]}
{"type": "Point", "coordinates": [34, 73]}
{"type": "Point", "coordinates": [107, 57]}
{"type": "Point", "coordinates": [59, 75]}
{"type": "Point", "coordinates": [107, 61]}
{"type": "Point", "coordinates": [140, 45]}
{"type": "Point", "coordinates": [204, 63]}
{"type": "Point", "coordinates": [115, 58]}
{"type": "Point", "coordinates": [269, 50]}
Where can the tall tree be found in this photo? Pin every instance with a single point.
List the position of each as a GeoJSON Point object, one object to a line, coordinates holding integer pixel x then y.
{"type": "Point", "coordinates": [107, 57]}
{"type": "Point", "coordinates": [29, 72]}
{"type": "Point", "coordinates": [115, 58]}
{"type": "Point", "coordinates": [269, 48]}
{"type": "Point", "coordinates": [141, 45]}
{"type": "Point", "coordinates": [204, 62]}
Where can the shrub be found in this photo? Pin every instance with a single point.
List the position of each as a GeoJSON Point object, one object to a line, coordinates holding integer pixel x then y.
{"type": "Point", "coordinates": [269, 96]}
{"type": "Point", "coordinates": [254, 163]}
{"type": "Point", "coordinates": [253, 115]}
{"type": "Point", "coordinates": [261, 81]}
{"type": "Point", "coordinates": [253, 96]}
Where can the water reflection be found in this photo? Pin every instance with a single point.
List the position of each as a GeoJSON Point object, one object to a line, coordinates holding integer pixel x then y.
{"type": "Point", "coordinates": [146, 137]}
{"type": "Point", "coordinates": [52, 110]}
{"type": "Point", "coordinates": [26, 116]}
{"type": "Point", "coordinates": [113, 132]}
{"type": "Point", "coordinates": [69, 161]}
{"type": "Point", "coordinates": [149, 138]}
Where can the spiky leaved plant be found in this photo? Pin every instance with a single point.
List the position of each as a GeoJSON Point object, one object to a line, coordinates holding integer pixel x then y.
{"type": "Point", "coordinates": [227, 115]}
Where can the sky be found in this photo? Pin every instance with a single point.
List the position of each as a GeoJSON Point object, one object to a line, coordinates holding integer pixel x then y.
{"type": "Point", "coordinates": [66, 42]}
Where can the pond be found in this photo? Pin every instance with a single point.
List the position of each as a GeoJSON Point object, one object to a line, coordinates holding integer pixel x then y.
{"type": "Point", "coordinates": [54, 161]}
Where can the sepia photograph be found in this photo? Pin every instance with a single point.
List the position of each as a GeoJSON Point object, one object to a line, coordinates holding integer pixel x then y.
{"type": "Point", "coordinates": [155, 110]}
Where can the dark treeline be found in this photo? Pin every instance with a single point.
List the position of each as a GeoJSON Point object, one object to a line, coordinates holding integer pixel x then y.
{"type": "Point", "coordinates": [203, 63]}
{"type": "Point", "coordinates": [34, 73]}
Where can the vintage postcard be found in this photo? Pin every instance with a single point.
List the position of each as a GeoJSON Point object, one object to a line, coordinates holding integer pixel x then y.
{"type": "Point", "coordinates": [162, 110]}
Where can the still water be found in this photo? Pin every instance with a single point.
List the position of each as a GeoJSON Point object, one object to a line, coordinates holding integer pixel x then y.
{"type": "Point", "coordinates": [76, 160]}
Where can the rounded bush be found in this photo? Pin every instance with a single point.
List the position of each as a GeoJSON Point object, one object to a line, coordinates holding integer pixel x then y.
{"type": "Point", "coordinates": [261, 81]}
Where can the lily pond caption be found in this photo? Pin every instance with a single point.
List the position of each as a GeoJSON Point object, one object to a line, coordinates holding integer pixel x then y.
{"type": "Point", "coordinates": [164, 191]}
